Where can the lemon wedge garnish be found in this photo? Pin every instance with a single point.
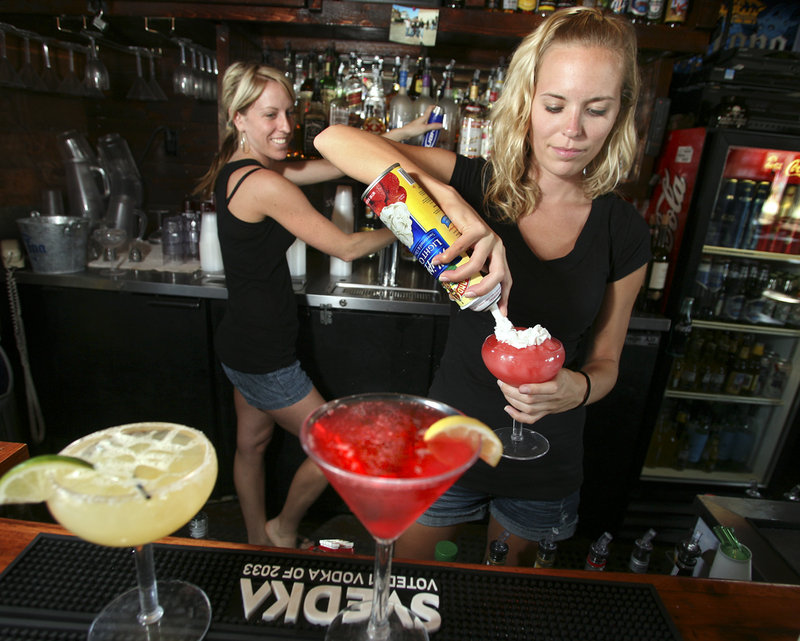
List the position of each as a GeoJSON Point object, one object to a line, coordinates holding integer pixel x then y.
{"type": "Point", "coordinates": [32, 481]}
{"type": "Point", "coordinates": [463, 428]}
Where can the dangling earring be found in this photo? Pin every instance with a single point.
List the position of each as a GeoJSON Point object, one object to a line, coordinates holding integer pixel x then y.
{"type": "Point", "coordinates": [243, 143]}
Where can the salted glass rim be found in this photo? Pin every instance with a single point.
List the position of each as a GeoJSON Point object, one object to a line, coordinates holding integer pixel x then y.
{"type": "Point", "coordinates": [135, 493]}
{"type": "Point", "coordinates": [383, 481]}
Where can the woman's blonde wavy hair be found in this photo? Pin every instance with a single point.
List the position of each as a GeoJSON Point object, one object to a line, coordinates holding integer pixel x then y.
{"type": "Point", "coordinates": [511, 189]}
{"type": "Point", "coordinates": [242, 84]}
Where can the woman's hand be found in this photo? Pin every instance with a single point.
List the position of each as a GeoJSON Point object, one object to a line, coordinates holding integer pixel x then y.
{"type": "Point", "coordinates": [532, 401]}
{"type": "Point", "coordinates": [487, 255]}
{"type": "Point", "coordinates": [416, 127]}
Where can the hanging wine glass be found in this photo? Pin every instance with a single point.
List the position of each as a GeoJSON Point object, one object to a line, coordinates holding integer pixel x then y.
{"type": "Point", "coordinates": [155, 88]}
{"type": "Point", "coordinates": [182, 77]}
{"type": "Point", "coordinates": [197, 77]}
{"type": "Point", "coordinates": [96, 77]}
{"type": "Point", "coordinates": [8, 75]}
{"type": "Point", "coordinates": [140, 89]}
{"type": "Point", "coordinates": [70, 83]}
{"type": "Point", "coordinates": [27, 74]}
{"type": "Point", "coordinates": [49, 75]}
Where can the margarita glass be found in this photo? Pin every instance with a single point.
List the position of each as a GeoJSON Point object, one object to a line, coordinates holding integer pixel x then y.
{"type": "Point", "coordinates": [517, 366]}
{"type": "Point", "coordinates": [148, 480]}
{"type": "Point", "coordinates": [371, 449]}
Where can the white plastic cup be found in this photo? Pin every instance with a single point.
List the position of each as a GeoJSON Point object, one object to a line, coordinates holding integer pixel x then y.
{"type": "Point", "coordinates": [727, 567]}
{"type": "Point", "coordinates": [344, 218]}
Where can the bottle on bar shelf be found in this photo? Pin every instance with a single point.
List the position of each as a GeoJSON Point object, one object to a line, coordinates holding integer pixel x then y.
{"type": "Point", "coordinates": [598, 554]}
{"type": "Point", "coordinates": [546, 554]}
{"type": "Point", "coordinates": [642, 549]}
{"type": "Point", "coordinates": [686, 554]}
{"type": "Point", "coordinates": [498, 550]}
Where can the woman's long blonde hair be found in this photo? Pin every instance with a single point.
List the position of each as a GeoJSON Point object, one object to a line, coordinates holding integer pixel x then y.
{"type": "Point", "coordinates": [512, 189]}
{"type": "Point", "coordinates": [242, 84]}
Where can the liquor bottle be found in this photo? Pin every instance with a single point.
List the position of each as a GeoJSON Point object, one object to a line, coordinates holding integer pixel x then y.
{"type": "Point", "coordinates": [526, 6]}
{"type": "Point", "coordinates": [492, 5]}
{"type": "Point", "coordinates": [327, 83]}
{"type": "Point", "coordinates": [637, 10]}
{"type": "Point", "coordinates": [642, 549]}
{"type": "Point", "coordinates": [338, 111]}
{"type": "Point", "coordinates": [545, 7]}
{"type": "Point", "coordinates": [498, 550]}
{"type": "Point", "coordinates": [313, 122]}
{"type": "Point", "coordinates": [722, 212]}
{"type": "Point", "coordinates": [509, 6]}
{"type": "Point", "coordinates": [686, 555]}
{"type": "Point", "coordinates": [401, 109]}
{"type": "Point", "coordinates": [424, 99]}
{"type": "Point", "coordinates": [546, 553]}
{"type": "Point", "coordinates": [658, 270]}
{"type": "Point", "coordinates": [354, 92]}
{"type": "Point", "coordinates": [307, 85]}
{"type": "Point", "coordinates": [597, 557]}
{"type": "Point", "coordinates": [288, 61]}
{"type": "Point", "coordinates": [473, 122]}
{"type": "Point", "coordinates": [450, 120]}
{"type": "Point", "coordinates": [375, 101]}
{"type": "Point", "coordinates": [676, 11]}
{"type": "Point", "coordinates": [619, 7]}
{"type": "Point", "coordinates": [415, 86]}
{"type": "Point", "coordinates": [655, 11]}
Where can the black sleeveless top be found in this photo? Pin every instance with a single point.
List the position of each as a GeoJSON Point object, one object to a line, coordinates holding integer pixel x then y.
{"type": "Point", "coordinates": [258, 332]}
{"type": "Point", "coordinates": [563, 295]}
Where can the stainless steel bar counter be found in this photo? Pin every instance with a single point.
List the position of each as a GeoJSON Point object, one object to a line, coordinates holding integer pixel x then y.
{"type": "Point", "coordinates": [415, 292]}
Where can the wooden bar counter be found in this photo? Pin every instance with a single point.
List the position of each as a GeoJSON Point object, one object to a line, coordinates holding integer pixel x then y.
{"type": "Point", "coordinates": [701, 609]}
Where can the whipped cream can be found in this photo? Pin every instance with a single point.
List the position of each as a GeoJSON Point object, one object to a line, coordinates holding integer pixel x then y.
{"type": "Point", "coordinates": [420, 224]}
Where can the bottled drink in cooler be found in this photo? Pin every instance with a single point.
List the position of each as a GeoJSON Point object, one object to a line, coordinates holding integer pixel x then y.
{"type": "Point", "coordinates": [747, 238]}
{"type": "Point", "coordinates": [723, 212]}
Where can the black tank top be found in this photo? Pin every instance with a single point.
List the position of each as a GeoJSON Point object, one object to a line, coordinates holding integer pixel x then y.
{"type": "Point", "coordinates": [258, 332]}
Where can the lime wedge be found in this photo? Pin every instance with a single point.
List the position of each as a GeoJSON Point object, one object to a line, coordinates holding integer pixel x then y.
{"type": "Point", "coordinates": [464, 427]}
{"type": "Point", "coordinates": [32, 481]}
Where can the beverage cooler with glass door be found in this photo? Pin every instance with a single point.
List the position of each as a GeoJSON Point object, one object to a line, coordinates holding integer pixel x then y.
{"type": "Point", "coordinates": [726, 393]}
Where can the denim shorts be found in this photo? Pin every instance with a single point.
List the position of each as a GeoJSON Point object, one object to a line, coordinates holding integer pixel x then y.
{"type": "Point", "coordinates": [272, 391]}
{"type": "Point", "coordinates": [529, 519]}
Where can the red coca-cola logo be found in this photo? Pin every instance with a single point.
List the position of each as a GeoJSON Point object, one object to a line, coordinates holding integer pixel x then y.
{"type": "Point", "coordinates": [670, 202]}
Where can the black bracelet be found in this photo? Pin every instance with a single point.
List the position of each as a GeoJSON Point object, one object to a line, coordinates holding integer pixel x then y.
{"type": "Point", "coordinates": [588, 386]}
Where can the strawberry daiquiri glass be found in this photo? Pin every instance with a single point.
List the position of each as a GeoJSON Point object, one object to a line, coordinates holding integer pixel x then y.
{"type": "Point", "coordinates": [517, 366]}
{"type": "Point", "coordinates": [371, 449]}
{"type": "Point", "coordinates": [149, 480]}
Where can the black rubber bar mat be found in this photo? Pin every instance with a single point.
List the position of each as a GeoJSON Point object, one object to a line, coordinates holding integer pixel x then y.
{"type": "Point", "coordinates": [53, 589]}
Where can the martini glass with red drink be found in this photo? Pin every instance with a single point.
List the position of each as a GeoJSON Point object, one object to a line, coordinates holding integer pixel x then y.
{"type": "Point", "coordinates": [517, 366]}
{"type": "Point", "coordinates": [371, 448]}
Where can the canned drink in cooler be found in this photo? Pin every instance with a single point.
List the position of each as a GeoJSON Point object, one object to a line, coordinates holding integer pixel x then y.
{"type": "Point", "coordinates": [431, 137]}
{"type": "Point", "coordinates": [420, 224]}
